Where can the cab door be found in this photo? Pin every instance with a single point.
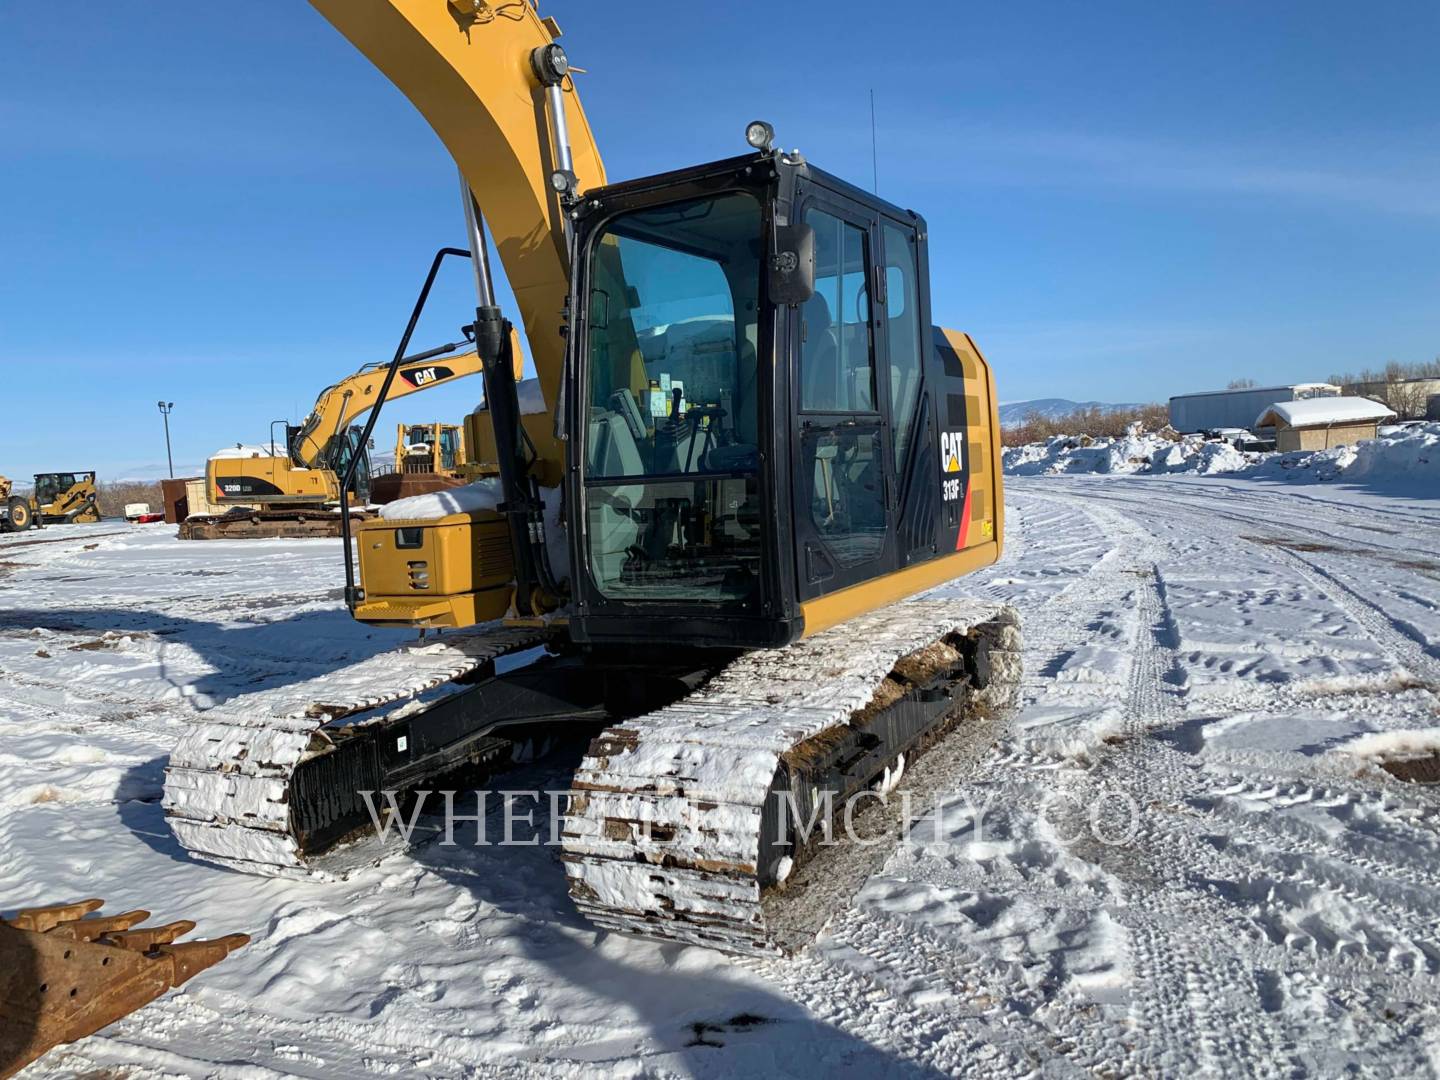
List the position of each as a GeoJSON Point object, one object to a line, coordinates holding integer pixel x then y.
{"type": "Point", "coordinates": [841, 456]}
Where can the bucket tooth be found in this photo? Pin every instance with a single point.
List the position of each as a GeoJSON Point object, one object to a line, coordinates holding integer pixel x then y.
{"type": "Point", "coordinates": [88, 929]}
{"type": "Point", "coordinates": [146, 938]}
{"type": "Point", "coordinates": [190, 958]}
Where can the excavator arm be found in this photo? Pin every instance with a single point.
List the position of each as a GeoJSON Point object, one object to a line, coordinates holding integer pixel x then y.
{"type": "Point", "coordinates": [338, 406]}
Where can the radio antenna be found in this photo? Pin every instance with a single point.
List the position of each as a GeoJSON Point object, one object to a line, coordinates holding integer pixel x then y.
{"type": "Point", "coordinates": [874, 155]}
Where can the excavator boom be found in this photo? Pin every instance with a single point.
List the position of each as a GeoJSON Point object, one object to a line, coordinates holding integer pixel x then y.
{"type": "Point", "coordinates": [340, 405]}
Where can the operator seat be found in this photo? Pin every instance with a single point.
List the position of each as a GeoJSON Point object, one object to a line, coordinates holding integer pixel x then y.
{"type": "Point", "coordinates": [819, 359]}
{"type": "Point", "coordinates": [613, 451]}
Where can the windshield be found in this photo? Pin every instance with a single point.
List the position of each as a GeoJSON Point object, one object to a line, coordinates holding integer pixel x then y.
{"type": "Point", "coordinates": [671, 440]}
{"type": "Point", "coordinates": [51, 486]}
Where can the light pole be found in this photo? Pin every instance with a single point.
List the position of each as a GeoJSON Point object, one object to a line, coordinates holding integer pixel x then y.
{"type": "Point", "coordinates": [165, 407]}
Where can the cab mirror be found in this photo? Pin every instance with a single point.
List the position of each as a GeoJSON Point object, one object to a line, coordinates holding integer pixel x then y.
{"type": "Point", "coordinates": [792, 265]}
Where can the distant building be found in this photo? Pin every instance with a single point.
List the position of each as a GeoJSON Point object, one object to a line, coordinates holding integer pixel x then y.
{"type": "Point", "coordinates": [1320, 423]}
{"type": "Point", "coordinates": [1407, 397]}
{"type": "Point", "coordinates": [1217, 409]}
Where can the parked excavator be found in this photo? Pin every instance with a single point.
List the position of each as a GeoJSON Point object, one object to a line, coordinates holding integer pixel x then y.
{"type": "Point", "coordinates": [752, 455]}
{"type": "Point", "coordinates": [292, 487]}
{"type": "Point", "coordinates": [68, 498]}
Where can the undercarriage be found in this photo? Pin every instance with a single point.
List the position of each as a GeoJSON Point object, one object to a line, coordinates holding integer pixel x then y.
{"type": "Point", "coordinates": [687, 819]}
{"type": "Point", "coordinates": [263, 524]}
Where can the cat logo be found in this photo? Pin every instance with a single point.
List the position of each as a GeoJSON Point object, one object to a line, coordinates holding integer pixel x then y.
{"type": "Point", "coordinates": [427, 376]}
{"type": "Point", "coordinates": [952, 451]}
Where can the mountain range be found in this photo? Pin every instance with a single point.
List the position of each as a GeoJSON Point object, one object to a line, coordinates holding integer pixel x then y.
{"type": "Point", "coordinates": [1015, 412]}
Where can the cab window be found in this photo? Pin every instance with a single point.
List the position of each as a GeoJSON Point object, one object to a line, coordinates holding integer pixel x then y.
{"type": "Point", "coordinates": [837, 371]}
{"type": "Point", "coordinates": [902, 327]}
{"type": "Point", "coordinates": [671, 441]}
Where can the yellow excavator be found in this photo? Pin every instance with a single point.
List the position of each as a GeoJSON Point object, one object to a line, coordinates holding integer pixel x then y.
{"type": "Point", "coordinates": [746, 457]}
{"type": "Point", "coordinates": [68, 498]}
{"type": "Point", "coordinates": [292, 487]}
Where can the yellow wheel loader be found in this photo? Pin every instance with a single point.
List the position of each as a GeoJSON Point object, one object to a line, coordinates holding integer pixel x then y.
{"type": "Point", "coordinates": [68, 498]}
{"type": "Point", "coordinates": [15, 512]}
{"type": "Point", "coordinates": [747, 455]}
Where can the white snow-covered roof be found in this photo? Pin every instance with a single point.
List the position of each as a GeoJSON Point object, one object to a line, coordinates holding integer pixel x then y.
{"type": "Point", "coordinates": [240, 451]}
{"type": "Point", "coordinates": [1299, 388]}
{"type": "Point", "coordinates": [1313, 412]}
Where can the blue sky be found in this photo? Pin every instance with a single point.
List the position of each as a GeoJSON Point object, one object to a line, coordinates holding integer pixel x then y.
{"type": "Point", "coordinates": [229, 207]}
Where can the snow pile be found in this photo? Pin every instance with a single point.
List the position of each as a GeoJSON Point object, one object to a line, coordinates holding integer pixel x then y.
{"type": "Point", "coordinates": [481, 495]}
{"type": "Point", "coordinates": [1399, 453]}
{"type": "Point", "coordinates": [1403, 745]}
{"type": "Point", "coordinates": [1160, 452]}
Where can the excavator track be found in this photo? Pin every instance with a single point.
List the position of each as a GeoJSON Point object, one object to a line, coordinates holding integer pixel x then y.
{"type": "Point", "coordinates": [672, 832]}
{"type": "Point", "coordinates": [233, 789]}
{"type": "Point", "coordinates": [266, 525]}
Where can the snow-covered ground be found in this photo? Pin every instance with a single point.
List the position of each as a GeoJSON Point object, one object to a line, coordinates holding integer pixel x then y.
{"type": "Point", "coordinates": [1404, 457]}
{"type": "Point", "coordinates": [1180, 856]}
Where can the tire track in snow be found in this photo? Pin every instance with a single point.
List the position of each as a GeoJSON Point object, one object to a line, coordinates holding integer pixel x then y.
{"type": "Point", "coordinates": [1185, 971]}
{"type": "Point", "coordinates": [1253, 984]}
{"type": "Point", "coordinates": [1315, 520]}
{"type": "Point", "coordinates": [1177, 970]}
{"type": "Point", "coordinates": [1392, 635]}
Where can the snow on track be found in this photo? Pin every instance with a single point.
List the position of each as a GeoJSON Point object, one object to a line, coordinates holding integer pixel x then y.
{"type": "Point", "coordinates": [1199, 655]}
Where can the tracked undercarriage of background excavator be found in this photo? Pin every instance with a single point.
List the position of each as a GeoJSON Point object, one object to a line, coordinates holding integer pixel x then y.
{"type": "Point", "coordinates": [752, 454]}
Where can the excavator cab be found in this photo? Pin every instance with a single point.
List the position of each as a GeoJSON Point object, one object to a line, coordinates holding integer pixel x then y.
{"type": "Point", "coordinates": [342, 448]}
{"type": "Point", "coordinates": [763, 435]}
{"type": "Point", "coordinates": [749, 336]}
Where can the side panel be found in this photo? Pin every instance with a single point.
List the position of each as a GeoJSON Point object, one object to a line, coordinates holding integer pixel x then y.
{"type": "Point", "coordinates": [453, 571]}
{"type": "Point", "coordinates": [969, 447]}
{"type": "Point", "coordinates": [272, 480]}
